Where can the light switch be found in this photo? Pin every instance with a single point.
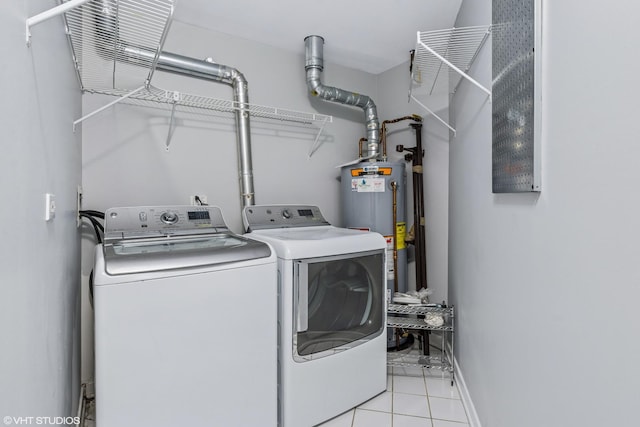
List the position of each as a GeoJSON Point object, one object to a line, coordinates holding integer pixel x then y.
{"type": "Point", "coordinates": [50, 206]}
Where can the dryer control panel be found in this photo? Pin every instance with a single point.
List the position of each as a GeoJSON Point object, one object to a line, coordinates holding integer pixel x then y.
{"type": "Point", "coordinates": [155, 221]}
{"type": "Point", "coordinates": [263, 217]}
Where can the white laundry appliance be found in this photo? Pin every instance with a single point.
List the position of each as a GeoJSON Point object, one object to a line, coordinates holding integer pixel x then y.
{"type": "Point", "coordinates": [332, 340]}
{"type": "Point", "coordinates": [185, 321]}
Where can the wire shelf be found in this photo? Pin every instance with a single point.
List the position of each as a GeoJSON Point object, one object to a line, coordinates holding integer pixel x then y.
{"type": "Point", "coordinates": [413, 360]}
{"type": "Point", "coordinates": [413, 323]}
{"type": "Point", "coordinates": [155, 97]}
{"type": "Point", "coordinates": [457, 46]}
{"type": "Point", "coordinates": [98, 30]}
{"type": "Point", "coordinates": [419, 309]}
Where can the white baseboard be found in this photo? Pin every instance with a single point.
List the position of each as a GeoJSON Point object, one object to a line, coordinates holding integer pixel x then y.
{"type": "Point", "coordinates": [474, 421]}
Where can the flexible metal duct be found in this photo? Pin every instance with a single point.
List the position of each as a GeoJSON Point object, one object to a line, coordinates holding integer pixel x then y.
{"type": "Point", "coordinates": [314, 66]}
{"type": "Point", "coordinates": [203, 69]}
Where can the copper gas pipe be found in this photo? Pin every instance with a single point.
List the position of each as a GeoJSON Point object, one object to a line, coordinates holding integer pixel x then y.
{"type": "Point", "coordinates": [394, 192]}
{"type": "Point", "coordinates": [360, 142]}
{"type": "Point", "coordinates": [394, 189]}
{"type": "Point", "coordinates": [383, 130]}
{"type": "Point", "coordinates": [383, 140]}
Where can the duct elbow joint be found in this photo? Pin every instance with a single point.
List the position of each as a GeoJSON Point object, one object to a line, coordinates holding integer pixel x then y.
{"type": "Point", "coordinates": [236, 76]}
{"type": "Point", "coordinates": [314, 67]}
{"type": "Point", "coordinates": [315, 87]}
{"type": "Point", "coordinates": [370, 105]}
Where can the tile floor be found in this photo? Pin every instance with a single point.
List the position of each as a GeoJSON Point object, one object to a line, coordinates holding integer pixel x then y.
{"type": "Point", "coordinates": [415, 397]}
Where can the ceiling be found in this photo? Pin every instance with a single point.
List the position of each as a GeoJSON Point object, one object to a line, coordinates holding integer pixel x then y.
{"type": "Point", "coordinates": [368, 35]}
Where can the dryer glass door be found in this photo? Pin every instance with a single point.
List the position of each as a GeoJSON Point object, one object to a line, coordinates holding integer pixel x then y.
{"type": "Point", "coordinates": [339, 303]}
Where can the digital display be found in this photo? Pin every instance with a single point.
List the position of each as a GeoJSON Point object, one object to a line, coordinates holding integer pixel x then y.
{"type": "Point", "coordinates": [305, 212]}
{"type": "Point", "coordinates": [196, 215]}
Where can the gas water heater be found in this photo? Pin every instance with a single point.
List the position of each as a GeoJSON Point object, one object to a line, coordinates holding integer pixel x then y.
{"type": "Point", "coordinates": [373, 189]}
{"type": "Point", "coordinates": [373, 198]}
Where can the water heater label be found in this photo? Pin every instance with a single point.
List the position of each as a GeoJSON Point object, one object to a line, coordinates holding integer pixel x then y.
{"type": "Point", "coordinates": [371, 170]}
{"type": "Point", "coordinates": [401, 232]}
{"type": "Point", "coordinates": [368, 185]}
{"type": "Point", "coordinates": [390, 267]}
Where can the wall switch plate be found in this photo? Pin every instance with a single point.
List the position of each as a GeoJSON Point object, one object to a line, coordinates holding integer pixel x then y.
{"type": "Point", "coordinates": [78, 206]}
{"type": "Point", "coordinates": [50, 206]}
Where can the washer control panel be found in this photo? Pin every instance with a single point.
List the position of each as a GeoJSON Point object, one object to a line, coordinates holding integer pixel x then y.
{"type": "Point", "coordinates": [154, 221]}
{"type": "Point", "coordinates": [282, 216]}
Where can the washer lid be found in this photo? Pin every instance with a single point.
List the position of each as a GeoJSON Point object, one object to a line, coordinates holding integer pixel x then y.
{"type": "Point", "coordinates": [170, 253]}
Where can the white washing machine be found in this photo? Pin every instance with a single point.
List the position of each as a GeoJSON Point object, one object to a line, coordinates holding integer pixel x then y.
{"type": "Point", "coordinates": [332, 316]}
{"type": "Point", "coordinates": [185, 321]}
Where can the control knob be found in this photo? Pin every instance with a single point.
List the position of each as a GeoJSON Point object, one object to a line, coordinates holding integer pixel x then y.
{"type": "Point", "coordinates": [169, 217]}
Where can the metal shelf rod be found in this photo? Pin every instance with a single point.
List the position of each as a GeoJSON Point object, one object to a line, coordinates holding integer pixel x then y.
{"type": "Point", "coordinates": [47, 14]}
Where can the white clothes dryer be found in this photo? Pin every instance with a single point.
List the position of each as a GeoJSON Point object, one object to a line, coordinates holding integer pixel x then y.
{"type": "Point", "coordinates": [332, 316]}
{"type": "Point", "coordinates": [185, 321]}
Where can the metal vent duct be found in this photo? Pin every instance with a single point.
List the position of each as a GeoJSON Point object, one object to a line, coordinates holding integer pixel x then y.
{"type": "Point", "coordinates": [314, 61]}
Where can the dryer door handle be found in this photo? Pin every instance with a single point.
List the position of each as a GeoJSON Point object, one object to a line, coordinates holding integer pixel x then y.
{"type": "Point", "coordinates": [303, 297]}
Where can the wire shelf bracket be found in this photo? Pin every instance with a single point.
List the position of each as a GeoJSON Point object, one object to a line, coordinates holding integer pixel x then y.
{"type": "Point", "coordinates": [104, 107]}
{"type": "Point", "coordinates": [176, 98]}
{"type": "Point", "coordinates": [428, 110]}
{"type": "Point", "coordinates": [445, 53]}
{"type": "Point", "coordinates": [317, 143]}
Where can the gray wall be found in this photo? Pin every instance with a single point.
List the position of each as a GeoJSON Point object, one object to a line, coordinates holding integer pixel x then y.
{"type": "Point", "coordinates": [125, 162]}
{"type": "Point", "coordinates": [39, 261]}
{"type": "Point", "coordinates": [547, 286]}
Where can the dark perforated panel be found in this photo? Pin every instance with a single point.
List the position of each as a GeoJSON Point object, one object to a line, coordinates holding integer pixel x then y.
{"type": "Point", "coordinates": [513, 96]}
